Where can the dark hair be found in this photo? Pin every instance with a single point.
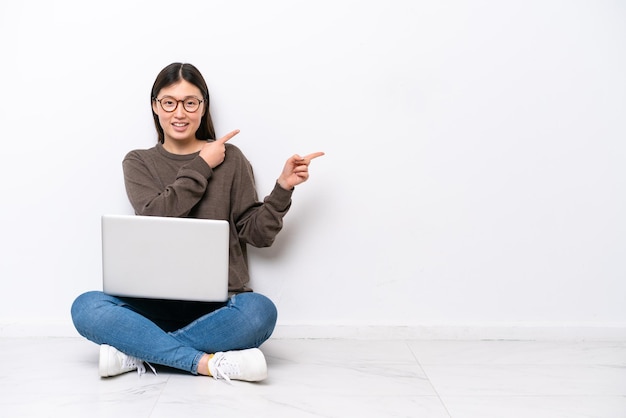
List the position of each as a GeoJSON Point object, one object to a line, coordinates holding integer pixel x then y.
{"type": "Point", "coordinates": [172, 74]}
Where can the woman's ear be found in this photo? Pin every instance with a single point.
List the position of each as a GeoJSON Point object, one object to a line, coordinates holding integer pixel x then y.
{"type": "Point", "coordinates": [154, 107]}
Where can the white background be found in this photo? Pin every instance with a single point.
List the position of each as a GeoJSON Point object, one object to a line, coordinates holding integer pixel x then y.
{"type": "Point", "coordinates": [475, 170]}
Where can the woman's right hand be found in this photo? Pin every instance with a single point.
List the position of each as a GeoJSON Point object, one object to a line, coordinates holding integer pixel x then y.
{"type": "Point", "coordinates": [214, 152]}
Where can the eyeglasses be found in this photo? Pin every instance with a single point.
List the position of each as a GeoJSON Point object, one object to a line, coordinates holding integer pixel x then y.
{"type": "Point", "coordinates": [170, 104]}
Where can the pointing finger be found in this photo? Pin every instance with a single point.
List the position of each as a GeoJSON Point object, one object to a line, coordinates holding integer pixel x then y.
{"type": "Point", "coordinates": [228, 136]}
{"type": "Point", "coordinates": [313, 155]}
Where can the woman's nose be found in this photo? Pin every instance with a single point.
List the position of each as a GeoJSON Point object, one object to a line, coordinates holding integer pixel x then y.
{"type": "Point", "coordinates": [179, 111]}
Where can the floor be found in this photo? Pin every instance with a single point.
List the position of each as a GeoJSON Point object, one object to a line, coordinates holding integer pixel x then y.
{"type": "Point", "coordinates": [57, 377]}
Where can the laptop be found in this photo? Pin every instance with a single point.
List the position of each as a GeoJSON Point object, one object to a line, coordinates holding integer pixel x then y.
{"type": "Point", "coordinates": [165, 258]}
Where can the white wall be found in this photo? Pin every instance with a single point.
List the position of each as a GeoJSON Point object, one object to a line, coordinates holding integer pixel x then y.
{"type": "Point", "coordinates": [474, 174]}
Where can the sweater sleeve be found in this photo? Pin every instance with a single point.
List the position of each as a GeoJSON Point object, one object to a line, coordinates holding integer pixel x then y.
{"type": "Point", "coordinates": [149, 197]}
{"type": "Point", "coordinates": [257, 222]}
{"type": "Point", "coordinates": [260, 222]}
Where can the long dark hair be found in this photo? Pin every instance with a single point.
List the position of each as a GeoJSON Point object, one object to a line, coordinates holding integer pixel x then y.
{"type": "Point", "coordinates": [172, 74]}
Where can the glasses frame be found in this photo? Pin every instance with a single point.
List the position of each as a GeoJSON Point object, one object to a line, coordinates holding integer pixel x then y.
{"type": "Point", "coordinates": [179, 101]}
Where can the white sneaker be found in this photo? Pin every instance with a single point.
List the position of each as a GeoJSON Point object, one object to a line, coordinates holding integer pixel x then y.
{"type": "Point", "coordinates": [246, 365]}
{"type": "Point", "coordinates": [114, 362]}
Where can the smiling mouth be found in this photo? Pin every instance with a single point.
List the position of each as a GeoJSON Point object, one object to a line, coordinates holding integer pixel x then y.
{"type": "Point", "coordinates": [179, 124]}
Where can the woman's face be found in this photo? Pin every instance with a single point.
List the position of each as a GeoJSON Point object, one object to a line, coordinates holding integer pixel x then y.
{"type": "Point", "coordinates": [179, 125]}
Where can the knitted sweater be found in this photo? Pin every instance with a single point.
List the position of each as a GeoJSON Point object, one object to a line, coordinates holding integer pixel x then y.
{"type": "Point", "coordinates": [159, 183]}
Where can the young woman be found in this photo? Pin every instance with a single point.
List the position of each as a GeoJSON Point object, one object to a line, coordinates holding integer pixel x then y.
{"type": "Point", "coordinates": [190, 173]}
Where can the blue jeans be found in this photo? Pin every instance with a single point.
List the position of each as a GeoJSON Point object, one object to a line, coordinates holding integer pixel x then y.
{"type": "Point", "coordinates": [174, 333]}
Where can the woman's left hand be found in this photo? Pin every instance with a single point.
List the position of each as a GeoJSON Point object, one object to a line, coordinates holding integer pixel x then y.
{"type": "Point", "coordinates": [296, 170]}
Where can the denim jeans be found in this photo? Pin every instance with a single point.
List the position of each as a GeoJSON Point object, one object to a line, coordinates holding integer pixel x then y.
{"type": "Point", "coordinates": [174, 333]}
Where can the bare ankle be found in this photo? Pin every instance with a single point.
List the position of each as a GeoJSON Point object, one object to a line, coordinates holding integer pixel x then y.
{"type": "Point", "coordinates": [203, 365]}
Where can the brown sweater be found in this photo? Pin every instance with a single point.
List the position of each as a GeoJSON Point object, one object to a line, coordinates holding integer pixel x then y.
{"type": "Point", "coordinates": [159, 183]}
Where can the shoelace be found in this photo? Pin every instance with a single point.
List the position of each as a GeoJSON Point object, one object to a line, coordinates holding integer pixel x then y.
{"type": "Point", "coordinates": [130, 362]}
{"type": "Point", "coordinates": [223, 369]}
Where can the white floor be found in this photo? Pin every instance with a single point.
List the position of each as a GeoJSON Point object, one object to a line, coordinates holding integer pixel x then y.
{"type": "Point", "coordinates": [57, 377]}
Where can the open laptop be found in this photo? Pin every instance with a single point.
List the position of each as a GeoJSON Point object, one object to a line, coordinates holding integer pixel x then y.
{"type": "Point", "coordinates": [165, 258]}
